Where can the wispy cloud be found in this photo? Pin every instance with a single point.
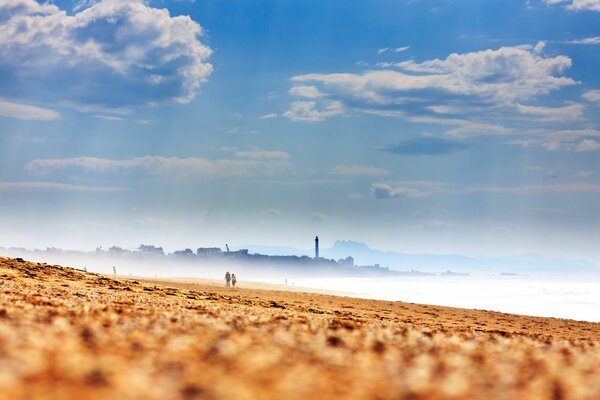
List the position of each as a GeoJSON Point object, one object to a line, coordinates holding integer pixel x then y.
{"type": "Point", "coordinates": [108, 117]}
{"type": "Point", "coordinates": [592, 95]}
{"type": "Point", "coordinates": [387, 191]}
{"type": "Point", "coordinates": [574, 139]}
{"type": "Point", "coordinates": [11, 109]}
{"type": "Point", "coordinates": [393, 49]}
{"type": "Point", "coordinates": [307, 111]}
{"type": "Point", "coordinates": [269, 116]}
{"type": "Point", "coordinates": [259, 154]}
{"type": "Point", "coordinates": [310, 92]}
{"type": "Point", "coordinates": [166, 166]}
{"type": "Point", "coordinates": [577, 5]}
{"type": "Point", "coordinates": [566, 113]}
{"type": "Point", "coordinates": [55, 187]}
{"type": "Point", "coordinates": [588, 145]}
{"type": "Point", "coordinates": [357, 170]}
{"type": "Point", "coordinates": [586, 41]}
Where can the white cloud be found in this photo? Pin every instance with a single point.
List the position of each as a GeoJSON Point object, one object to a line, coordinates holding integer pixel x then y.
{"type": "Point", "coordinates": [588, 145]}
{"type": "Point", "coordinates": [482, 82]}
{"type": "Point", "coordinates": [108, 117]}
{"type": "Point", "coordinates": [273, 211]}
{"type": "Point", "coordinates": [359, 171]}
{"type": "Point", "coordinates": [55, 187]}
{"type": "Point", "coordinates": [269, 116]}
{"type": "Point", "coordinates": [31, 139]}
{"type": "Point", "coordinates": [310, 92]}
{"type": "Point", "coordinates": [386, 191]}
{"type": "Point", "coordinates": [394, 49]}
{"type": "Point", "coordinates": [585, 174]}
{"type": "Point", "coordinates": [587, 41]}
{"type": "Point", "coordinates": [592, 95]}
{"type": "Point", "coordinates": [561, 140]}
{"type": "Point", "coordinates": [26, 111]}
{"type": "Point", "coordinates": [566, 113]}
{"type": "Point", "coordinates": [307, 111]}
{"type": "Point", "coordinates": [499, 76]}
{"type": "Point", "coordinates": [153, 221]}
{"type": "Point", "coordinates": [259, 154]}
{"type": "Point", "coordinates": [566, 188]}
{"type": "Point", "coordinates": [464, 128]}
{"type": "Point", "coordinates": [111, 53]}
{"type": "Point", "coordinates": [578, 5]}
{"type": "Point", "coordinates": [164, 166]}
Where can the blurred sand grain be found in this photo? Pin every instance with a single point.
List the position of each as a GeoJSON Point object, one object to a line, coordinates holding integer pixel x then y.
{"type": "Point", "coordinates": [66, 334]}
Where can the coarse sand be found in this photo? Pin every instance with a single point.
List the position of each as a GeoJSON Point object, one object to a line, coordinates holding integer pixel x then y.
{"type": "Point", "coordinates": [69, 334]}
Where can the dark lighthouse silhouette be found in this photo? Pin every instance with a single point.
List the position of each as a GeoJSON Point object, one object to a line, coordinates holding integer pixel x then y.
{"type": "Point", "coordinates": [316, 247]}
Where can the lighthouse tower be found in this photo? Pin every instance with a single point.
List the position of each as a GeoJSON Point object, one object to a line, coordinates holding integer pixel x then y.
{"type": "Point", "coordinates": [316, 247]}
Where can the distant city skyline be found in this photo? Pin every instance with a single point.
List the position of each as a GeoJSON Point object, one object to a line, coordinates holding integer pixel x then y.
{"type": "Point", "coordinates": [463, 127]}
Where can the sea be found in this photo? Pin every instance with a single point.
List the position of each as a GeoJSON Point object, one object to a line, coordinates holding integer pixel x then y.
{"type": "Point", "coordinates": [558, 296]}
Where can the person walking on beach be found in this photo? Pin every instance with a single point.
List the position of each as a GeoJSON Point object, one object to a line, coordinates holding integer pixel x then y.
{"type": "Point", "coordinates": [227, 278]}
{"type": "Point", "coordinates": [233, 280]}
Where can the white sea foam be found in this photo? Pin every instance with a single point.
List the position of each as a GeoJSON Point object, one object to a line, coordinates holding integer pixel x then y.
{"type": "Point", "coordinates": [547, 296]}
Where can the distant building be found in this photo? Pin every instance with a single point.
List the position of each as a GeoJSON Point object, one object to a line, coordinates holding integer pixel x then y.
{"type": "Point", "coordinates": [316, 247]}
{"type": "Point", "coordinates": [346, 262]}
{"type": "Point", "coordinates": [157, 251]}
{"type": "Point", "coordinates": [237, 253]}
{"type": "Point", "coordinates": [184, 253]}
{"type": "Point", "coordinates": [117, 250]}
{"type": "Point", "coordinates": [208, 251]}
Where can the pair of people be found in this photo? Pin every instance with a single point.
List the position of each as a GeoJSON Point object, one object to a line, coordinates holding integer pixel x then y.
{"type": "Point", "coordinates": [230, 279]}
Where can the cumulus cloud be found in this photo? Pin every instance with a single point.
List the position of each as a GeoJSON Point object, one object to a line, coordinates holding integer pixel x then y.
{"type": "Point", "coordinates": [24, 111]}
{"type": "Point", "coordinates": [578, 5]}
{"type": "Point", "coordinates": [112, 53]}
{"type": "Point", "coordinates": [357, 170]}
{"type": "Point", "coordinates": [308, 111]}
{"type": "Point", "coordinates": [163, 166]}
{"type": "Point", "coordinates": [500, 76]}
{"type": "Point", "coordinates": [386, 191]}
{"type": "Point", "coordinates": [482, 81]}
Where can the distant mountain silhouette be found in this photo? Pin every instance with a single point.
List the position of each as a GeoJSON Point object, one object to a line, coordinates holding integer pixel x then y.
{"type": "Point", "coordinates": [438, 263]}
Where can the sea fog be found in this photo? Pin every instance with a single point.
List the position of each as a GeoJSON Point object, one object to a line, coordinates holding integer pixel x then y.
{"type": "Point", "coordinates": [559, 296]}
{"type": "Point", "coordinates": [544, 293]}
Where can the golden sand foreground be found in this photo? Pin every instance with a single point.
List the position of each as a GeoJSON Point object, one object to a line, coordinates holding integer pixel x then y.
{"type": "Point", "coordinates": [67, 334]}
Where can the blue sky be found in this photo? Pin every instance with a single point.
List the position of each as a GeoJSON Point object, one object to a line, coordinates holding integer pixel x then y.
{"type": "Point", "coordinates": [418, 126]}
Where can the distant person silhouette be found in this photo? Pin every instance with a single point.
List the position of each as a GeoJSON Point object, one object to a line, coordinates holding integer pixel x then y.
{"type": "Point", "coordinates": [233, 280]}
{"type": "Point", "coordinates": [227, 278]}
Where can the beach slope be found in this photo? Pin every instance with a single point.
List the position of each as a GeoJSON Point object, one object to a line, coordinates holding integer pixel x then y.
{"type": "Point", "coordinates": [69, 334]}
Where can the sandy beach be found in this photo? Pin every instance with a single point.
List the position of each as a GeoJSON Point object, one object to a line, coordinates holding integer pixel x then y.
{"type": "Point", "coordinates": [69, 334]}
